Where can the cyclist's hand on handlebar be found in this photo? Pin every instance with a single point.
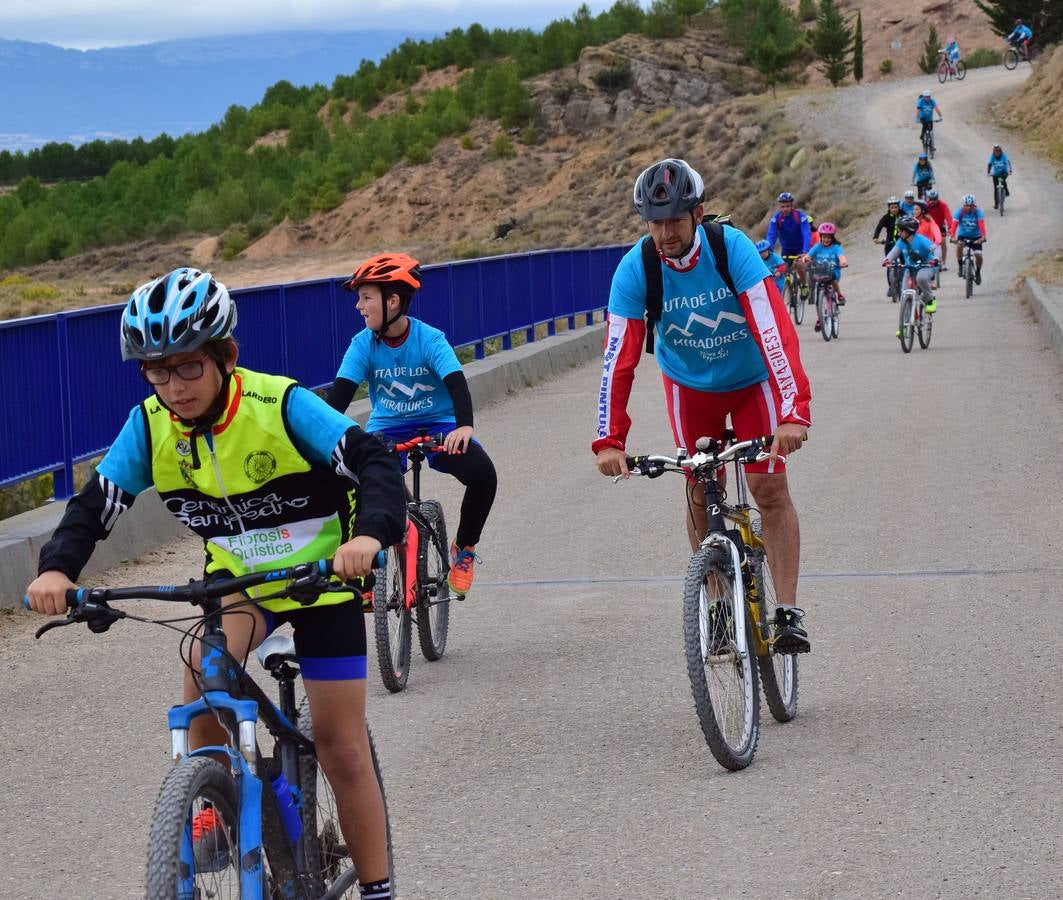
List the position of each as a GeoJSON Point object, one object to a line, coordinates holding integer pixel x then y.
{"type": "Point", "coordinates": [612, 461]}
{"type": "Point", "coordinates": [788, 437]}
{"type": "Point", "coordinates": [47, 593]}
{"type": "Point", "coordinates": [458, 440]}
{"type": "Point", "coordinates": [355, 558]}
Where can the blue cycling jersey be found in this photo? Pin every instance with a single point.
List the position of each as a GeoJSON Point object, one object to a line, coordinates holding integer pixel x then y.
{"type": "Point", "coordinates": [833, 254]}
{"type": "Point", "coordinates": [773, 262]}
{"type": "Point", "coordinates": [792, 231]}
{"type": "Point", "coordinates": [922, 174]}
{"type": "Point", "coordinates": [918, 251]}
{"type": "Point", "coordinates": [967, 222]}
{"type": "Point", "coordinates": [703, 339]}
{"type": "Point", "coordinates": [406, 382]}
{"type": "Point", "coordinates": [1021, 33]}
{"type": "Point", "coordinates": [924, 108]}
{"type": "Point", "coordinates": [999, 165]}
{"type": "Point", "coordinates": [952, 51]}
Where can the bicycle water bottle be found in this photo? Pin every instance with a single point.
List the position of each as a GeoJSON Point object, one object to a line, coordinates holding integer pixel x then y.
{"type": "Point", "coordinates": [293, 822]}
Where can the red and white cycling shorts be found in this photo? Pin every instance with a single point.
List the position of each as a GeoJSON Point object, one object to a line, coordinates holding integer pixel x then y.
{"type": "Point", "coordinates": [754, 412]}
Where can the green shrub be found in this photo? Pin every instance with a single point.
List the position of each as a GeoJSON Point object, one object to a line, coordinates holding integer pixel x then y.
{"type": "Point", "coordinates": [501, 148]}
{"type": "Point", "coordinates": [169, 228]}
{"type": "Point", "coordinates": [530, 135]}
{"type": "Point", "coordinates": [886, 66]}
{"type": "Point", "coordinates": [614, 78]}
{"type": "Point", "coordinates": [14, 279]}
{"type": "Point", "coordinates": [233, 244]}
{"type": "Point", "coordinates": [418, 154]}
{"type": "Point", "coordinates": [983, 57]}
{"type": "Point", "coordinates": [39, 292]}
{"type": "Point", "coordinates": [467, 143]}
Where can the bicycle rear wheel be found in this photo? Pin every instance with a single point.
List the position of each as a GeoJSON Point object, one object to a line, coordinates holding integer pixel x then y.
{"type": "Point", "coordinates": [176, 867]}
{"type": "Point", "coordinates": [961, 70]}
{"type": "Point", "coordinates": [327, 856]}
{"type": "Point", "coordinates": [822, 312]}
{"type": "Point", "coordinates": [906, 332]}
{"type": "Point", "coordinates": [924, 326]}
{"type": "Point", "coordinates": [391, 620]}
{"type": "Point", "coordinates": [433, 601]}
{"type": "Point", "coordinates": [1011, 58]}
{"type": "Point", "coordinates": [778, 671]}
{"type": "Point", "coordinates": [724, 681]}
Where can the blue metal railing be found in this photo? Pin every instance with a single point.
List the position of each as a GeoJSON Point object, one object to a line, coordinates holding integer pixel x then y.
{"type": "Point", "coordinates": [64, 391]}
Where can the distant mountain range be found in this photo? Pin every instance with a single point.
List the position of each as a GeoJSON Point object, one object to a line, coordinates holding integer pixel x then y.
{"type": "Point", "coordinates": [48, 93]}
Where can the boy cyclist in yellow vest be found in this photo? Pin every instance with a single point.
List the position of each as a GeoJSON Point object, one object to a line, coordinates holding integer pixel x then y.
{"type": "Point", "coordinates": [265, 472]}
{"type": "Point", "coordinates": [416, 385]}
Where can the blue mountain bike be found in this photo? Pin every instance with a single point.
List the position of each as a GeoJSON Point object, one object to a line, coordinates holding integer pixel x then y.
{"type": "Point", "coordinates": [286, 837]}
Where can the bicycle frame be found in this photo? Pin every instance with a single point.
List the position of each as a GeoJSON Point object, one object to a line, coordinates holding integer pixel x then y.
{"type": "Point", "coordinates": [229, 693]}
{"type": "Point", "coordinates": [419, 532]}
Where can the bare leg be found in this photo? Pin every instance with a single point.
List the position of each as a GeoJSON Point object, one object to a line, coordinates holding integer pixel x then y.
{"type": "Point", "coordinates": [782, 535]}
{"type": "Point", "coordinates": [338, 712]}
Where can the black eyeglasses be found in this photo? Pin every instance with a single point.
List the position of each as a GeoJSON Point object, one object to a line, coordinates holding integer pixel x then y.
{"type": "Point", "coordinates": [186, 371]}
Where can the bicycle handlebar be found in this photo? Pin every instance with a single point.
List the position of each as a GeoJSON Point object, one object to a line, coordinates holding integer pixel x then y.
{"type": "Point", "coordinates": [303, 582]}
{"type": "Point", "coordinates": [710, 454]}
{"type": "Point", "coordinates": [425, 441]}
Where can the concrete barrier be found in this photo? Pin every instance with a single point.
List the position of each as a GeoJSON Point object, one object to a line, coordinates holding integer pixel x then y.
{"type": "Point", "coordinates": [1047, 306]}
{"type": "Point", "coordinates": [147, 525]}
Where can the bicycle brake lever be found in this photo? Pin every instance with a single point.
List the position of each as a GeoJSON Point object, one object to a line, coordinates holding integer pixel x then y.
{"type": "Point", "coordinates": [54, 623]}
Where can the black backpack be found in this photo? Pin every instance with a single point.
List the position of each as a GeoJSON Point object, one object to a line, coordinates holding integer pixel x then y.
{"type": "Point", "coordinates": [651, 263]}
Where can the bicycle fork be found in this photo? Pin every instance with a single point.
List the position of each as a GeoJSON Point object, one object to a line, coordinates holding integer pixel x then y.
{"type": "Point", "coordinates": [716, 536]}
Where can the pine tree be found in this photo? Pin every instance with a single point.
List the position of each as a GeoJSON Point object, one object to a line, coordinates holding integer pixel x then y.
{"type": "Point", "coordinates": [928, 62]}
{"type": "Point", "coordinates": [858, 49]}
{"type": "Point", "coordinates": [806, 10]}
{"type": "Point", "coordinates": [832, 39]}
{"type": "Point", "coordinates": [774, 40]}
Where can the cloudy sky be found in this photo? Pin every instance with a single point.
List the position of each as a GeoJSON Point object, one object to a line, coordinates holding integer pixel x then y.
{"type": "Point", "coordinates": [86, 24]}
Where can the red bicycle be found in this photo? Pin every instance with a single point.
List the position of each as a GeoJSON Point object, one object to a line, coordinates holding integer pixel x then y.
{"type": "Point", "coordinates": [412, 583]}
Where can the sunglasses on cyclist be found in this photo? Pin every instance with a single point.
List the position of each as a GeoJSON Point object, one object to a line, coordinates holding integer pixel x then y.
{"type": "Point", "coordinates": [186, 371]}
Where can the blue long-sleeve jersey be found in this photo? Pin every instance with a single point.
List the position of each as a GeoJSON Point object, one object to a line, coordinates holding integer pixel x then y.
{"type": "Point", "coordinates": [924, 109]}
{"type": "Point", "coordinates": [791, 231]}
{"type": "Point", "coordinates": [1021, 33]}
{"type": "Point", "coordinates": [922, 174]}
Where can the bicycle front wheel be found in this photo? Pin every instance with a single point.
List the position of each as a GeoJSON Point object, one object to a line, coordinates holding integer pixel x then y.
{"type": "Point", "coordinates": [797, 305]}
{"type": "Point", "coordinates": [823, 313]}
{"type": "Point", "coordinates": [1011, 58]}
{"type": "Point", "coordinates": [906, 331]}
{"type": "Point", "coordinates": [723, 680]}
{"type": "Point", "coordinates": [943, 72]}
{"type": "Point", "coordinates": [391, 620]}
{"type": "Point", "coordinates": [1001, 194]}
{"type": "Point", "coordinates": [778, 671]}
{"type": "Point", "coordinates": [925, 326]}
{"type": "Point", "coordinates": [328, 859]}
{"type": "Point", "coordinates": [968, 276]}
{"type": "Point", "coordinates": [961, 71]}
{"type": "Point", "coordinates": [198, 790]}
{"type": "Point", "coordinates": [433, 600]}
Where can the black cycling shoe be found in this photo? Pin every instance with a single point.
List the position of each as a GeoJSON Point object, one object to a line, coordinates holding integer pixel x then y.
{"type": "Point", "coordinates": [977, 276]}
{"type": "Point", "coordinates": [790, 637]}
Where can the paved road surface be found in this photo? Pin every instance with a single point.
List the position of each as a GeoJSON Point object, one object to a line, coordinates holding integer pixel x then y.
{"type": "Point", "coordinates": [554, 752]}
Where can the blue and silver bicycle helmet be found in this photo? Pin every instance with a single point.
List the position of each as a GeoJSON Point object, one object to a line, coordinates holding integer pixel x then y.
{"type": "Point", "coordinates": [763, 246]}
{"type": "Point", "coordinates": [968, 200]}
{"type": "Point", "coordinates": [175, 313]}
{"type": "Point", "coordinates": [785, 197]}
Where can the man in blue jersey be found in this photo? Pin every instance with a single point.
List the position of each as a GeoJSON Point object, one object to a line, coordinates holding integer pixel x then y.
{"type": "Point", "coordinates": [998, 167]}
{"type": "Point", "coordinates": [792, 229]}
{"type": "Point", "coordinates": [1021, 37]}
{"type": "Point", "coordinates": [725, 347]}
{"type": "Point", "coordinates": [968, 227]}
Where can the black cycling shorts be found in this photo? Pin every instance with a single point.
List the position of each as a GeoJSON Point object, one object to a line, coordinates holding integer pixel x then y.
{"type": "Point", "coordinates": [329, 640]}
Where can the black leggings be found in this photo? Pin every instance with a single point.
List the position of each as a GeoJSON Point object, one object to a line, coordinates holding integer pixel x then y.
{"type": "Point", "coordinates": [1001, 178]}
{"type": "Point", "coordinates": [474, 469]}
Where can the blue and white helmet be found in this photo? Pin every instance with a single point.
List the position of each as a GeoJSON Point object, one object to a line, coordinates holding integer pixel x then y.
{"type": "Point", "coordinates": [175, 313]}
{"type": "Point", "coordinates": [763, 246]}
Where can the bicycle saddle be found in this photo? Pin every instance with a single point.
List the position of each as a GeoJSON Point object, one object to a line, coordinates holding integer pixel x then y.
{"type": "Point", "coordinates": [275, 649]}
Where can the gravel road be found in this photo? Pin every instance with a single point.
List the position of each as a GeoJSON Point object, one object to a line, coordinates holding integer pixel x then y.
{"type": "Point", "coordinates": [554, 751]}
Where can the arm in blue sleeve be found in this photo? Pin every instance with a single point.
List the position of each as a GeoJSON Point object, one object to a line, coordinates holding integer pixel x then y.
{"type": "Point", "coordinates": [806, 235]}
